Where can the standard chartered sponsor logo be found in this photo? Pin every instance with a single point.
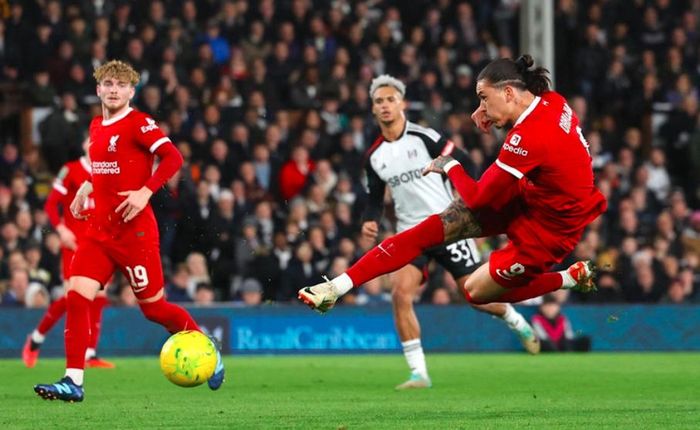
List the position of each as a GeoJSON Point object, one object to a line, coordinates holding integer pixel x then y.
{"type": "Point", "coordinates": [105, 168]}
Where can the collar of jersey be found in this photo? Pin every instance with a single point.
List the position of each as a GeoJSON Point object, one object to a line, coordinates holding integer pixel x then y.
{"type": "Point", "coordinates": [403, 134]}
{"type": "Point", "coordinates": [117, 118]}
{"type": "Point", "coordinates": [528, 111]}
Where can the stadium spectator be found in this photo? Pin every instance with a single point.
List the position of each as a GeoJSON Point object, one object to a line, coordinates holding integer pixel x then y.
{"type": "Point", "coordinates": [251, 292]}
{"type": "Point", "coordinates": [632, 84]}
{"type": "Point", "coordinates": [554, 329]}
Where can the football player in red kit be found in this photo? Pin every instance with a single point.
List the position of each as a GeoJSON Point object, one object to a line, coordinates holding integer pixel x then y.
{"type": "Point", "coordinates": [71, 231]}
{"type": "Point", "coordinates": [539, 192]}
{"type": "Point", "coordinates": [122, 232]}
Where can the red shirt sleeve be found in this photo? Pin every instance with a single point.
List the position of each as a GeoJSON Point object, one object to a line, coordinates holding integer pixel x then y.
{"type": "Point", "coordinates": [494, 190]}
{"type": "Point", "coordinates": [147, 133]}
{"type": "Point", "coordinates": [170, 161]}
{"type": "Point", "coordinates": [149, 136]}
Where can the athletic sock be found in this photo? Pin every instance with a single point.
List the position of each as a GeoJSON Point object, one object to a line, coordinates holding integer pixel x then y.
{"type": "Point", "coordinates": [90, 353]}
{"type": "Point", "coordinates": [413, 351]}
{"type": "Point", "coordinates": [567, 280]}
{"type": "Point", "coordinates": [76, 375]}
{"type": "Point", "coordinates": [543, 284]}
{"type": "Point", "coordinates": [53, 313]}
{"type": "Point", "coordinates": [342, 284]}
{"type": "Point", "coordinates": [35, 340]}
{"type": "Point", "coordinates": [96, 321]}
{"type": "Point", "coordinates": [513, 318]}
{"type": "Point", "coordinates": [397, 251]}
{"type": "Point", "coordinates": [171, 316]}
{"type": "Point", "coordinates": [77, 333]}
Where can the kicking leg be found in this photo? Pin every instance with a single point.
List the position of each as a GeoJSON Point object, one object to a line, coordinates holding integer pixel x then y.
{"type": "Point", "coordinates": [395, 252]}
{"type": "Point", "coordinates": [481, 287]}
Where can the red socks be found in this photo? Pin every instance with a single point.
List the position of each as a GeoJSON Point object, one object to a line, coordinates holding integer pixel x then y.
{"type": "Point", "coordinates": [397, 251]}
{"type": "Point", "coordinates": [54, 313]}
{"type": "Point", "coordinates": [171, 316]}
{"type": "Point", "coordinates": [543, 284]}
{"type": "Point", "coordinates": [77, 333]}
{"type": "Point", "coordinates": [98, 304]}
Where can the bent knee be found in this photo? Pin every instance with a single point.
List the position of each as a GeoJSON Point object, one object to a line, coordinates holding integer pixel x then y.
{"type": "Point", "coordinates": [403, 292]}
{"type": "Point", "coordinates": [473, 294]}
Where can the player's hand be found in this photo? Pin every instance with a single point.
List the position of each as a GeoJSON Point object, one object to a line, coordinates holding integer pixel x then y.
{"type": "Point", "coordinates": [479, 118]}
{"type": "Point", "coordinates": [438, 165]}
{"type": "Point", "coordinates": [78, 204]}
{"type": "Point", "coordinates": [135, 202]}
{"type": "Point", "coordinates": [67, 237]}
{"type": "Point", "coordinates": [370, 229]}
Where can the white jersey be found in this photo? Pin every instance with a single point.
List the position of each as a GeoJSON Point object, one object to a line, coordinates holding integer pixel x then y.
{"type": "Point", "coordinates": [399, 164]}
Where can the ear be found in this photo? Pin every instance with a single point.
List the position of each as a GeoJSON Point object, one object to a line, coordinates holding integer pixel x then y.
{"type": "Point", "coordinates": [509, 93]}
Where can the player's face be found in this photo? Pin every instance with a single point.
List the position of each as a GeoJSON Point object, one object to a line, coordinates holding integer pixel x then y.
{"type": "Point", "coordinates": [114, 93]}
{"type": "Point", "coordinates": [387, 105]}
{"type": "Point", "coordinates": [495, 102]}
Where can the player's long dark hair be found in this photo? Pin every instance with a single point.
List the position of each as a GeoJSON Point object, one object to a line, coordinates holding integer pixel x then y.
{"type": "Point", "coordinates": [517, 73]}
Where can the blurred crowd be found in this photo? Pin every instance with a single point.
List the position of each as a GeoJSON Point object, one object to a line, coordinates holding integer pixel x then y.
{"type": "Point", "coordinates": [268, 103]}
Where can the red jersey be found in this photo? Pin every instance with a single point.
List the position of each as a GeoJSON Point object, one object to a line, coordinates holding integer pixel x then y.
{"type": "Point", "coordinates": [121, 154]}
{"type": "Point", "coordinates": [65, 186]}
{"type": "Point", "coordinates": [547, 152]}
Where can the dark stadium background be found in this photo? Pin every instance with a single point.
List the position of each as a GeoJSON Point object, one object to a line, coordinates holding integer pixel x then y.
{"type": "Point", "coordinates": [239, 84]}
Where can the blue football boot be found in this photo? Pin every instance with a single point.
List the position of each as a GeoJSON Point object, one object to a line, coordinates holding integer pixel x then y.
{"type": "Point", "coordinates": [217, 379]}
{"type": "Point", "coordinates": [65, 390]}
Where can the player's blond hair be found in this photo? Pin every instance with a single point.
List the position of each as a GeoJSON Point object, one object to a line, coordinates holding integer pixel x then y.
{"type": "Point", "coordinates": [116, 69]}
{"type": "Point", "coordinates": [387, 81]}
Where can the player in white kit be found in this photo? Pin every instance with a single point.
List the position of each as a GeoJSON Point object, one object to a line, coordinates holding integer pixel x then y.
{"type": "Point", "coordinates": [397, 159]}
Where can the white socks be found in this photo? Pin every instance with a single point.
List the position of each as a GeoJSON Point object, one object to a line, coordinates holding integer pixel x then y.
{"type": "Point", "coordinates": [76, 375]}
{"type": "Point", "coordinates": [513, 318]}
{"type": "Point", "coordinates": [567, 280]}
{"type": "Point", "coordinates": [342, 284]}
{"type": "Point", "coordinates": [37, 337]}
{"type": "Point", "coordinates": [90, 353]}
{"type": "Point", "coordinates": [413, 351]}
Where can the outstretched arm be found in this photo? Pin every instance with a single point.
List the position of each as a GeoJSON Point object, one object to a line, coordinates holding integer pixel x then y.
{"type": "Point", "coordinates": [495, 188]}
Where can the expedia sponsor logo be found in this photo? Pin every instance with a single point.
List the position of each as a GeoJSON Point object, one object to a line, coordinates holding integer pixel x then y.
{"type": "Point", "coordinates": [150, 127]}
{"type": "Point", "coordinates": [105, 168]}
{"type": "Point", "coordinates": [404, 178]}
{"type": "Point", "coordinates": [517, 150]}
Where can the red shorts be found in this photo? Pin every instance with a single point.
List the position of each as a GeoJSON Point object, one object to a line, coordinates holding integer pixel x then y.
{"type": "Point", "coordinates": [138, 259]}
{"type": "Point", "coordinates": [532, 249]}
{"type": "Point", "coordinates": [66, 259]}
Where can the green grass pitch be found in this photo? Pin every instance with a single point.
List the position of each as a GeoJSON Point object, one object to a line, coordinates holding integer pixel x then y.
{"type": "Point", "coordinates": [471, 391]}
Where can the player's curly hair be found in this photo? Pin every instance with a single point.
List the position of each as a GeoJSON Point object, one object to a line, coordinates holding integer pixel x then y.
{"type": "Point", "coordinates": [118, 70]}
{"type": "Point", "coordinates": [518, 73]}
